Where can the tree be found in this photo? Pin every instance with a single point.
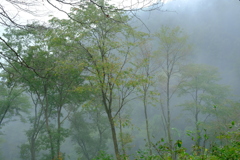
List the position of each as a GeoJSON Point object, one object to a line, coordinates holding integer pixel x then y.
{"type": "Point", "coordinates": [90, 129]}
{"type": "Point", "coordinates": [108, 48]}
{"type": "Point", "coordinates": [13, 101]}
{"type": "Point", "coordinates": [30, 149]}
{"type": "Point", "coordinates": [51, 85]}
{"type": "Point", "coordinates": [173, 50]}
{"type": "Point", "coordinates": [148, 68]}
{"type": "Point", "coordinates": [38, 9]}
{"type": "Point", "coordinates": [200, 84]}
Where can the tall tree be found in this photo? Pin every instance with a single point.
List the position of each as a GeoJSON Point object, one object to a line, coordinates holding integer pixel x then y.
{"type": "Point", "coordinates": [108, 48]}
{"type": "Point", "coordinates": [173, 51]}
{"type": "Point", "coordinates": [148, 68]}
{"type": "Point", "coordinates": [201, 85]}
{"type": "Point", "coordinates": [55, 76]}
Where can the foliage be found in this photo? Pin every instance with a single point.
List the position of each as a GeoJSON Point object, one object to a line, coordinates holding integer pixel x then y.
{"type": "Point", "coordinates": [108, 48]}
{"type": "Point", "coordinates": [50, 81]}
{"type": "Point", "coordinates": [173, 50]}
{"type": "Point", "coordinates": [200, 83]}
{"type": "Point", "coordinates": [81, 73]}
{"type": "Point", "coordinates": [231, 149]}
{"type": "Point", "coordinates": [103, 156]}
{"type": "Point", "coordinates": [13, 102]}
{"type": "Point", "coordinates": [89, 130]}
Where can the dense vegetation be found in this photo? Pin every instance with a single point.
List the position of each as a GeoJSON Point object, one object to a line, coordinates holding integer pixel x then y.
{"type": "Point", "coordinates": [114, 91]}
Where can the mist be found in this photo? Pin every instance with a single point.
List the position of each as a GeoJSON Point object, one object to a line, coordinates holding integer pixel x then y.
{"type": "Point", "coordinates": [213, 30]}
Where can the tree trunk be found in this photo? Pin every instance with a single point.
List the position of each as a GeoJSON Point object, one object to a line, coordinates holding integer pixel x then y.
{"type": "Point", "coordinates": [146, 120]}
{"type": "Point", "coordinates": [47, 125]}
{"type": "Point", "coordinates": [58, 131]}
{"type": "Point", "coordinates": [32, 149]}
{"type": "Point", "coordinates": [114, 136]}
{"type": "Point", "coordinates": [108, 110]}
{"type": "Point", "coordinates": [198, 135]}
{"type": "Point", "coordinates": [169, 119]}
{"type": "Point", "coordinates": [121, 135]}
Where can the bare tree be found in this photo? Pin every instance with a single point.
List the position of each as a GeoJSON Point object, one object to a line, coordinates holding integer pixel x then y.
{"type": "Point", "coordinates": [10, 9]}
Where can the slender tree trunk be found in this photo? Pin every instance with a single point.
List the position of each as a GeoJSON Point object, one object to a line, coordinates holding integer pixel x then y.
{"type": "Point", "coordinates": [49, 135]}
{"type": "Point", "coordinates": [32, 149]}
{"type": "Point", "coordinates": [198, 135]}
{"type": "Point", "coordinates": [146, 120]}
{"type": "Point", "coordinates": [197, 129]}
{"type": "Point", "coordinates": [58, 131]}
{"type": "Point", "coordinates": [169, 118]}
{"type": "Point", "coordinates": [100, 134]}
{"type": "Point", "coordinates": [114, 136]}
{"type": "Point", "coordinates": [108, 110]}
{"type": "Point", "coordinates": [36, 129]}
{"type": "Point", "coordinates": [47, 125]}
{"type": "Point", "coordinates": [121, 135]}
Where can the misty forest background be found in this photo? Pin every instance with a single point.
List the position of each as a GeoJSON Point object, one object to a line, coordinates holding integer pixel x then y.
{"type": "Point", "coordinates": [163, 84]}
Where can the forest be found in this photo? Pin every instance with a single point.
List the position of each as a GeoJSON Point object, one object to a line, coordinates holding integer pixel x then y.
{"type": "Point", "coordinates": [107, 84]}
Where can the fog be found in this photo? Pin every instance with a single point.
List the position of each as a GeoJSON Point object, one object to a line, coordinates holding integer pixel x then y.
{"type": "Point", "coordinates": [213, 28]}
